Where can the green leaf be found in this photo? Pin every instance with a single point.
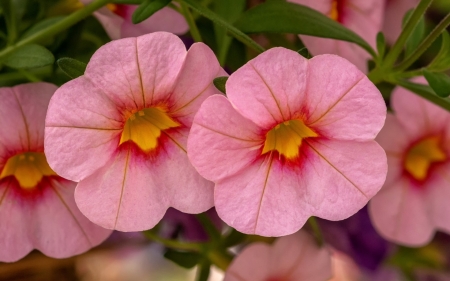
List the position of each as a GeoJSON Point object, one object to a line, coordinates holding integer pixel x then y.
{"type": "Point", "coordinates": [184, 259]}
{"type": "Point", "coordinates": [29, 56]}
{"type": "Point", "coordinates": [442, 60]}
{"type": "Point", "coordinates": [41, 25]}
{"type": "Point", "coordinates": [220, 82]}
{"type": "Point", "coordinates": [416, 36]}
{"type": "Point", "coordinates": [239, 35]}
{"type": "Point", "coordinates": [286, 17]}
{"type": "Point", "coordinates": [71, 67]}
{"type": "Point", "coordinates": [147, 9]}
{"type": "Point", "coordinates": [425, 92]}
{"type": "Point", "coordinates": [128, 2]}
{"type": "Point", "coordinates": [439, 82]}
{"type": "Point", "coordinates": [381, 45]}
{"type": "Point", "coordinates": [203, 271]}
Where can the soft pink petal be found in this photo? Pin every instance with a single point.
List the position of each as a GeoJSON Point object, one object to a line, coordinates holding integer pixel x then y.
{"type": "Point", "coordinates": [15, 242]}
{"type": "Point", "coordinates": [394, 14]}
{"type": "Point", "coordinates": [341, 100]}
{"type": "Point", "coordinates": [195, 82]}
{"type": "Point", "coordinates": [166, 19]}
{"type": "Point", "coordinates": [160, 58]}
{"type": "Point", "coordinates": [342, 176]}
{"type": "Point", "coordinates": [399, 213]}
{"type": "Point", "coordinates": [220, 135]}
{"type": "Point", "coordinates": [273, 84]}
{"type": "Point", "coordinates": [83, 128]}
{"type": "Point", "coordinates": [22, 115]}
{"type": "Point", "coordinates": [111, 22]}
{"type": "Point", "coordinates": [250, 264]}
{"type": "Point", "coordinates": [437, 194]}
{"type": "Point", "coordinates": [58, 228]}
{"type": "Point", "coordinates": [418, 116]}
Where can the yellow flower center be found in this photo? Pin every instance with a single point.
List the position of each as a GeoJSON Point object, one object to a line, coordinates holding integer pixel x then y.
{"type": "Point", "coordinates": [286, 138]}
{"type": "Point", "coordinates": [28, 168]}
{"type": "Point", "coordinates": [144, 127]}
{"type": "Point", "coordinates": [334, 13]}
{"type": "Point", "coordinates": [420, 157]}
{"type": "Point", "coordinates": [111, 7]}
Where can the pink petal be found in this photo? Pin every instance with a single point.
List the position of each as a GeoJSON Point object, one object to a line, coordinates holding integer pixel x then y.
{"type": "Point", "coordinates": [275, 91]}
{"type": "Point", "coordinates": [394, 14]}
{"type": "Point", "coordinates": [133, 191]}
{"type": "Point", "coordinates": [195, 82]}
{"type": "Point", "coordinates": [343, 103]}
{"type": "Point", "coordinates": [399, 213]}
{"type": "Point", "coordinates": [58, 227]}
{"type": "Point", "coordinates": [111, 22]}
{"type": "Point", "coordinates": [418, 116]}
{"type": "Point", "coordinates": [83, 128]}
{"type": "Point", "coordinates": [160, 58]}
{"type": "Point", "coordinates": [166, 19]}
{"type": "Point", "coordinates": [232, 141]}
{"type": "Point", "coordinates": [339, 179]}
{"type": "Point", "coordinates": [437, 193]}
{"type": "Point", "coordinates": [250, 264]}
{"type": "Point", "coordinates": [22, 111]}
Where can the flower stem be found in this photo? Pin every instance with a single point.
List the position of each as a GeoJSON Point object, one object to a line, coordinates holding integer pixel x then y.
{"type": "Point", "coordinates": [56, 28]}
{"type": "Point", "coordinates": [219, 258]}
{"type": "Point", "coordinates": [406, 32]}
{"type": "Point", "coordinates": [195, 247]}
{"type": "Point", "coordinates": [425, 44]}
{"type": "Point", "coordinates": [316, 230]}
{"type": "Point", "coordinates": [208, 226]}
{"type": "Point", "coordinates": [191, 22]}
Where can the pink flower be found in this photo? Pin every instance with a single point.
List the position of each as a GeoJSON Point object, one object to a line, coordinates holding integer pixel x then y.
{"type": "Point", "coordinates": [37, 207]}
{"type": "Point", "coordinates": [394, 14]}
{"type": "Point", "coordinates": [291, 258]}
{"type": "Point", "coordinates": [294, 139]}
{"type": "Point", "coordinates": [364, 17]}
{"type": "Point", "coordinates": [344, 268]}
{"type": "Point", "coordinates": [116, 19]}
{"type": "Point", "coordinates": [414, 200]}
{"type": "Point", "coordinates": [121, 130]}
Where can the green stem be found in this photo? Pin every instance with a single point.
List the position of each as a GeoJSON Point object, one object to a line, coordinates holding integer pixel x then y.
{"type": "Point", "coordinates": [219, 258]}
{"type": "Point", "coordinates": [316, 230]}
{"type": "Point", "coordinates": [397, 48]}
{"type": "Point", "coordinates": [441, 27]}
{"type": "Point", "coordinates": [191, 22]}
{"type": "Point", "coordinates": [30, 76]}
{"type": "Point", "coordinates": [195, 247]}
{"type": "Point", "coordinates": [208, 226]}
{"type": "Point", "coordinates": [56, 28]}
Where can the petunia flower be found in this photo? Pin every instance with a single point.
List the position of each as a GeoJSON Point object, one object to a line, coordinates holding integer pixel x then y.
{"type": "Point", "coordinates": [394, 14]}
{"type": "Point", "coordinates": [294, 139]}
{"type": "Point", "coordinates": [364, 17]}
{"type": "Point", "coordinates": [414, 200]}
{"type": "Point", "coordinates": [116, 19]}
{"type": "Point", "coordinates": [37, 207]}
{"type": "Point", "coordinates": [290, 258]}
{"type": "Point", "coordinates": [121, 130]}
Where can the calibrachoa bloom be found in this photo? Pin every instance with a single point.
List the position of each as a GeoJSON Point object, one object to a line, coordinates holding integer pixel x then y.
{"type": "Point", "coordinates": [294, 139]}
{"type": "Point", "coordinates": [116, 19]}
{"type": "Point", "coordinates": [121, 130]}
{"type": "Point", "coordinates": [364, 17]}
{"type": "Point", "coordinates": [37, 207]}
{"type": "Point", "coordinates": [414, 200]}
{"type": "Point", "coordinates": [290, 258]}
{"type": "Point", "coordinates": [394, 13]}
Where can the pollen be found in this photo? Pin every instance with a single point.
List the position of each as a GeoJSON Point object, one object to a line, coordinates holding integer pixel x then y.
{"type": "Point", "coordinates": [145, 126]}
{"type": "Point", "coordinates": [287, 137]}
{"type": "Point", "coordinates": [28, 168]}
{"type": "Point", "coordinates": [420, 157]}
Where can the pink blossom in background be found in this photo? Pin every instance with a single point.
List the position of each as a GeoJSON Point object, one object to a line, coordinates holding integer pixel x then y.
{"type": "Point", "coordinates": [344, 268]}
{"type": "Point", "coordinates": [292, 140]}
{"type": "Point", "coordinates": [37, 207]}
{"type": "Point", "coordinates": [414, 200]}
{"type": "Point", "coordinates": [364, 17]}
{"type": "Point", "coordinates": [121, 130]}
{"type": "Point", "coordinates": [291, 258]}
{"type": "Point", "coordinates": [116, 19]}
{"type": "Point", "coordinates": [394, 14]}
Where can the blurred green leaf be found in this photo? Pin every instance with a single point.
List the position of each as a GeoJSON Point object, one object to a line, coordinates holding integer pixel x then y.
{"type": "Point", "coordinates": [439, 82]}
{"type": "Point", "coordinates": [442, 60]}
{"type": "Point", "coordinates": [29, 56]}
{"type": "Point", "coordinates": [286, 17]}
{"type": "Point", "coordinates": [41, 25]}
{"type": "Point", "coordinates": [128, 2]}
{"type": "Point", "coordinates": [381, 45]}
{"type": "Point", "coordinates": [409, 259]}
{"type": "Point", "coordinates": [220, 82]}
{"type": "Point", "coordinates": [426, 92]}
{"type": "Point", "coordinates": [416, 36]}
{"type": "Point", "coordinates": [147, 9]}
{"type": "Point", "coordinates": [71, 67]}
{"type": "Point", "coordinates": [184, 259]}
{"type": "Point", "coordinates": [233, 238]}
{"type": "Point", "coordinates": [203, 271]}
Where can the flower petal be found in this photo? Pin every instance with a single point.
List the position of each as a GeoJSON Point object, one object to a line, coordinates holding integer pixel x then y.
{"type": "Point", "coordinates": [250, 264]}
{"type": "Point", "coordinates": [218, 129]}
{"type": "Point", "coordinates": [275, 91]}
{"type": "Point", "coordinates": [81, 135]}
{"type": "Point", "coordinates": [437, 194]}
{"type": "Point", "coordinates": [342, 102]}
{"type": "Point", "coordinates": [399, 213]}
{"type": "Point", "coordinates": [111, 22]}
{"type": "Point", "coordinates": [195, 82]}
